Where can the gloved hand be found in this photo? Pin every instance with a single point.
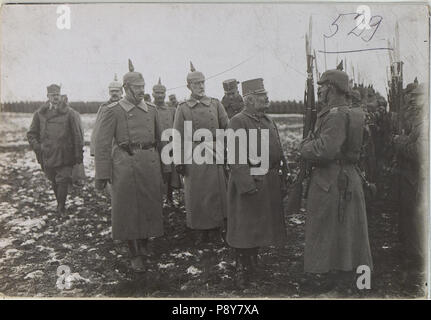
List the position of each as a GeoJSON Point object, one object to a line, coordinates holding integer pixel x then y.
{"type": "Point", "coordinates": [181, 169]}
{"type": "Point", "coordinates": [100, 184]}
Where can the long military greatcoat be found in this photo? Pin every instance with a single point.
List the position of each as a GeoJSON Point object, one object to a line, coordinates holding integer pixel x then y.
{"type": "Point", "coordinates": [78, 172]}
{"type": "Point", "coordinates": [335, 238]}
{"type": "Point", "coordinates": [136, 179]}
{"type": "Point", "coordinates": [204, 184]}
{"type": "Point", "coordinates": [96, 126]}
{"type": "Point", "coordinates": [255, 220]}
{"type": "Point", "coordinates": [55, 137]}
{"type": "Point", "coordinates": [166, 117]}
{"type": "Point", "coordinates": [413, 186]}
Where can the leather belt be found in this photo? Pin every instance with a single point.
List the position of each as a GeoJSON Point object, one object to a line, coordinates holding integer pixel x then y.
{"type": "Point", "coordinates": [143, 146]}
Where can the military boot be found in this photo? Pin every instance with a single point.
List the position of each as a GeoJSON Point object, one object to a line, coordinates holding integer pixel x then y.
{"type": "Point", "coordinates": [143, 249]}
{"type": "Point", "coordinates": [62, 189]}
{"type": "Point", "coordinates": [200, 237]}
{"type": "Point", "coordinates": [54, 188]}
{"type": "Point", "coordinates": [243, 268]}
{"type": "Point", "coordinates": [254, 260]}
{"type": "Point", "coordinates": [136, 260]}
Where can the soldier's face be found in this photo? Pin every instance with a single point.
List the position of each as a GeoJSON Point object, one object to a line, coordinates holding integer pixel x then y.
{"type": "Point", "coordinates": [231, 94]}
{"type": "Point", "coordinates": [137, 91]}
{"type": "Point", "coordinates": [115, 94]}
{"type": "Point", "coordinates": [54, 98]}
{"type": "Point", "coordinates": [261, 102]}
{"type": "Point", "coordinates": [173, 100]}
{"type": "Point", "coordinates": [159, 96]}
{"type": "Point", "coordinates": [197, 88]}
{"type": "Point", "coordinates": [322, 94]}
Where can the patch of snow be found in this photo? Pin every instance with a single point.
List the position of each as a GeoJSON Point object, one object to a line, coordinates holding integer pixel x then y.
{"type": "Point", "coordinates": [5, 242]}
{"type": "Point", "coordinates": [30, 241]}
{"type": "Point", "coordinates": [12, 253]}
{"type": "Point", "coordinates": [24, 226]}
{"type": "Point", "coordinates": [295, 219]}
{"type": "Point", "coordinates": [193, 270]}
{"type": "Point", "coordinates": [34, 274]}
{"type": "Point", "coordinates": [222, 265]}
{"type": "Point", "coordinates": [165, 266]}
{"type": "Point", "coordinates": [181, 255]}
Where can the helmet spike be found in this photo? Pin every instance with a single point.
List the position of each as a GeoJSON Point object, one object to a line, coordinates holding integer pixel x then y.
{"type": "Point", "coordinates": [192, 67]}
{"type": "Point", "coordinates": [131, 67]}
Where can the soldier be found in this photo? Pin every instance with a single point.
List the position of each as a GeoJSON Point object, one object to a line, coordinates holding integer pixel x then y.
{"type": "Point", "coordinates": [55, 138]}
{"type": "Point", "coordinates": [255, 213]}
{"type": "Point", "coordinates": [367, 162]}
{"type": "Point", "coordinates": [127, 155]}
{"type": "Point", "coordinates": [232, 100]}
{"type": "Point", "coordinates": [166, 117]}
{"type": "Point", "coordinates": [115, 93]}
{"type": "Point", "coordinates": [410, 149]}
{"type": "Point", "coordinates": [336, 231]}
{"type": "Point", "coordinates": [407, 95]}
{"type": "Point", "coordinates": [173, 101]}
{"type": "Point", "coordinates": [204, 184]}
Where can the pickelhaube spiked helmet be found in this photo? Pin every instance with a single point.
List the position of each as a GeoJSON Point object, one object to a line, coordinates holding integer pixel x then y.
{"type": "Point", "coordinates": [338, 78]}
{"type": "Point", "coordinates": [194, 75]}
{"type": "Point", "coordinates": [115, 84]}
{"type": "Point", "coordinates": [133, 77]}
{"type": "Point", "coordinates": [159, 87]}
{"type": "Point", "coordinates": [419, 89]}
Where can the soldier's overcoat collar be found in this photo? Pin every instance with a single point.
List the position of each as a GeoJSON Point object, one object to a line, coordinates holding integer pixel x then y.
{"type": "Point", "coordinates": [127, 105]}
{"type": "Point", "coordinates": [327, 108]}
{"type": "Point", "coordinates": [163, 106]}
{"type": "Point", "coordinates": [193, 101]}
{"type": "Point", "coordinates": [255, 116]}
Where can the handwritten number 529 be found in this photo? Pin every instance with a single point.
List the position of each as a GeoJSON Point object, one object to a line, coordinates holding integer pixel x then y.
{"type": "Point", "coordinates": [373, 23]}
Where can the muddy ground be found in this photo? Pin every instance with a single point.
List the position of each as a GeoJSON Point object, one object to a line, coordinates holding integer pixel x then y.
{"type": "Point", "coordinates": [35, 241]}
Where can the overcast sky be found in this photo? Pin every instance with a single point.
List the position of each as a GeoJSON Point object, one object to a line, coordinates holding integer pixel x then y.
{"type": "Point", "coordinates": [241, 41]}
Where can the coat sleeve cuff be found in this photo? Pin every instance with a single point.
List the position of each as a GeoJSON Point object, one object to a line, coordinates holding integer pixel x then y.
{"type": "Point", "coordinates": [103, 170]}
{"type": "Point", "coordinates": [243, 180]}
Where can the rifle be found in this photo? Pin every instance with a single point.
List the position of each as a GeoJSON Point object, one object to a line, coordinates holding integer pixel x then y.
{"type": "Point", "coordinates": [296, 190]}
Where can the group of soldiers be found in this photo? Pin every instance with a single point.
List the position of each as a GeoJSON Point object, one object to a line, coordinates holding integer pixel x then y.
{"type": "Point", "coordinates": [393, 157]}
{"type": "Point", "coordinates": [244, 210]}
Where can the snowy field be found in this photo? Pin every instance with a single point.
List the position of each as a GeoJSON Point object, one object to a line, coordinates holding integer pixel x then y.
{"type": "Point", "coordinates": [35, 242]}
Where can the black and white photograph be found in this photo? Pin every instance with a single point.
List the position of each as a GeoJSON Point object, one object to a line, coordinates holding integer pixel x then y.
{"type": "Point", "coordinates": [216, 150]}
